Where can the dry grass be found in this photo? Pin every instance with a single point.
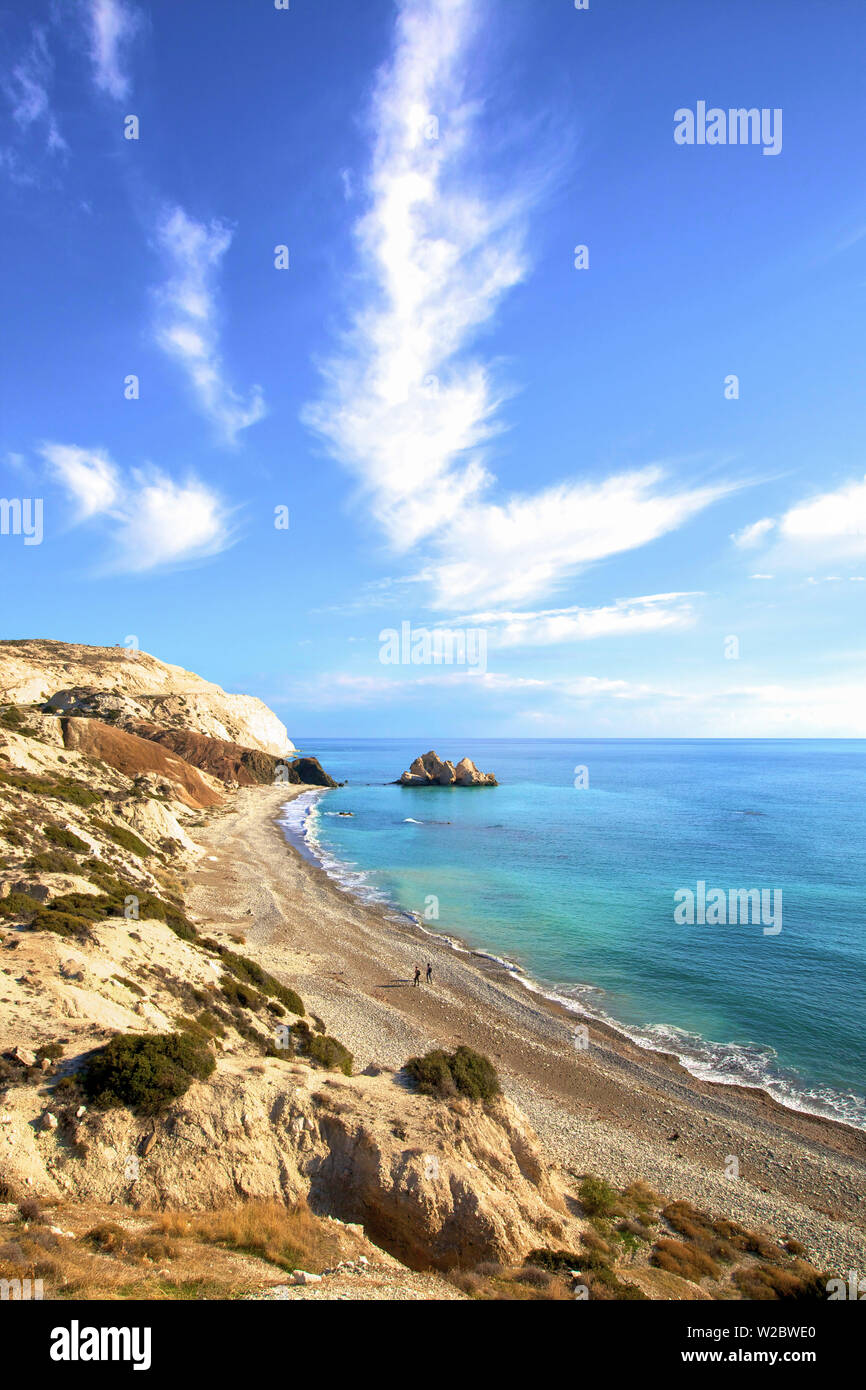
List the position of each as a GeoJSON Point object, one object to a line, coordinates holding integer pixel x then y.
{"type": "Point", "coordinates": [768, 1282]}
{"type": "Point", "coordinates": [113, 1254]}
{"type": "Point", "coordinates": [688, 1261]}
{"type": "Point", "coordinates": [289, 1237]}
{"type": "Point", "coordinates": [493, 1283]}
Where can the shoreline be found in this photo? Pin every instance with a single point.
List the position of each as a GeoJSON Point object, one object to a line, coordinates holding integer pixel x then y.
{"type": "Point", "coordinates": [581, 1013]}
{"type": "Point", "coordinates": [618, 1108]}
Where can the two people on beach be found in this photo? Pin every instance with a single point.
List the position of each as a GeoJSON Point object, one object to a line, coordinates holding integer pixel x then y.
{"type": "Point", "coordinates": [416, 983]}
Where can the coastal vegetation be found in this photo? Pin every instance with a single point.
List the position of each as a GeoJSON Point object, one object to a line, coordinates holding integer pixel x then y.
{"type": "Point", "coordinates": [101, 856]}
{"type": "Point", "coordinates": [446, 1075]}
{"type": "Point", "coordinates": [145, 1072]}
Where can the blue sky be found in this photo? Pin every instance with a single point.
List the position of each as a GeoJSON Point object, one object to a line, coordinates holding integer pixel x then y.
{"type": "Point", "coordinates": [468, 432]}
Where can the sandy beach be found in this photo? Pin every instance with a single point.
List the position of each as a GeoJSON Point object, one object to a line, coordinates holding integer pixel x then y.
{"type": "Point", "coordinates": [613, 1108]}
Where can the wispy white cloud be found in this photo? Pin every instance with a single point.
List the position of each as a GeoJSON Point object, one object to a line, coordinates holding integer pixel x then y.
{"type": "Point", "coordinates": [188, 322]}
{"type": "Point", "coordinates": [112, 25]}
{"type": "Point", "coordinates": [88, 475]}
{"type": "Point", "coordinates": [515, 551]}
{"type": "Point", "coordinates": [752, 536]}
{"type": "Point", "coordinates": [614, 705]}
{"type": "Point", "coordinates": [406, 406]}
{"type": "Point", "coordinates": [827, 528]}
{"type": "Point", "coordinates": [27, 88]}
{"type": "Point", "coordinates": [626, 617]}
{"type": "Point", "coordinates": [154, 522]}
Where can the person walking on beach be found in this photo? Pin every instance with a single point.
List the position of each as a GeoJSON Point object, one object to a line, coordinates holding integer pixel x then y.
{"type": "Point", "coordinates": [416, 983]}
{"type": "Point", "coordinates": [429, 973]}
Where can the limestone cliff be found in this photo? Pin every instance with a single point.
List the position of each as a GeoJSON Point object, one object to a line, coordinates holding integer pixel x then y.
{"type": "Point", "coordinates": [119, 685]}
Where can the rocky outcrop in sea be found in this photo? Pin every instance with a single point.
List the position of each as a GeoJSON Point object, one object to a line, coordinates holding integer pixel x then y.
{"type": "Point", "coordinates": [430, 771]}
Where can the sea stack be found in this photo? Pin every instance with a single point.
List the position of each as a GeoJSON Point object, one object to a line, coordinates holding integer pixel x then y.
{"type": "Point", "coordinates": [430, 771]}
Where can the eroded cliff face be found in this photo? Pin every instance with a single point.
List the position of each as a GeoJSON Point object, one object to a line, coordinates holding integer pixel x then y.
{"type": "Point", "coordinates": [436, 1185]}
{"type": "Point", "coordinates": [97, 830]}
{"type": "Point", "coordinates": [117, 684]}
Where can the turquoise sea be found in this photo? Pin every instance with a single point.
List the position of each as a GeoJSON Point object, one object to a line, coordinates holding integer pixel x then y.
{"type": "Point", "coordinates": [574, 886]}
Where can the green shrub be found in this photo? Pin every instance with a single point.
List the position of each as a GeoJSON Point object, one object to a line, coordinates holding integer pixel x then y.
{"type": "Point", "coordinates": [145, 1072]}
{"type": "Point", "coordinates": [330, 1053]}
{"type": "Point", "coordinates": [10, 717]}
{"type": "Point", "coordinates": [556, 1261]}
{"type": "Point", "coordinates": [62, 924]}
{"type": "Point", "coordinates": [603, 1284]}
{"type": "Point", "coordinates": [250, 973]}
{"type": "Point", "coordinates": [64, 789]}
{"type": "Point", "coordinates": [66, 839]}
{"type": "Point", "coordinates": [242, 996]}
{"type": "Point", "coordinates": [463, 1072]}
{"type": "Point", "coordinates": [598, 1198]}
{"type": "Point", "coordinates": [75, 793]}
{"type": "Point", "coordinates": [123, 837]}
{"type": "Point", "coordinates": [19, 905]}
{"type": "Point", "coordinates": [52, 862]}
{"type": "Point", "coordinates": [150, 907]}
{"type": "Point", "coordinates": [13, 834]}
{"type": "Point", "coordinates": [210, 1023]}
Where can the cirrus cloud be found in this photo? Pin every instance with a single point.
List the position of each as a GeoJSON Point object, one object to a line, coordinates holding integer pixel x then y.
{"type": "Point", "coordinates": [406, 407]}
{"type": "Point", "coordinates": [154, 522]}
{"type": "Point", "coordinates": [187, 326]}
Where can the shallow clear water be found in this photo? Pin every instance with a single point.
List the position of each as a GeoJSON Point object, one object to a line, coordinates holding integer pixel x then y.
{"type": "Point", "coordinates": [576, 886]}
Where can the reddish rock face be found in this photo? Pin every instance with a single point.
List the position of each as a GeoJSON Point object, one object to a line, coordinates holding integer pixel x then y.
{"type": "Point", "coordinates": [230, 762]}
{"type": "Point", "coordinates": [131, 755]}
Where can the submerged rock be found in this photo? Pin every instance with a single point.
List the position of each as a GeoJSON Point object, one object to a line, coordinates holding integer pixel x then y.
{"type": "Point", "coordinates": [430, 771]}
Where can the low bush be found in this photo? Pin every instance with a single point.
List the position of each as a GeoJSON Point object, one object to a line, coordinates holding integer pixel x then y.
{"type": "Point", "coordinates": [767, 1282]}
{"type": "Point", "coordinates": [330, 1053]}
{"type": "Point", "coordinates": [598, 1198]}
{"type": "Point", "coordinates": [242, 996]}
{"type": "Point", "coordinates": [447, 1075]}
{"type": "Point", "coordinates": [63, 789]}
{"type": "Point", "coordinates": [714, 1238]}
{"type": "Point", "coordinates": [145, 1072]}
{"type": "Point", "coordinates": [123, 837]}
{"type": "Point", "coordinates": [603, 1285]}
{"type": "Point", "coordinates": [65, 839]}
{"type": "Point", "coordinates": [688, 1261]}
{"type": "Point", "coordinates": [19, 906]}
{"type": "Point", "coordinates": [248, 972]}
{"type": "Point", "coordinates": [52, 862]}
{"type": "Point", "coordinates": [556, 1261]}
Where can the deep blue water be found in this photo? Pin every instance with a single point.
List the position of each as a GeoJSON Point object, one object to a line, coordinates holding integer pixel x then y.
{"type": "Point", "coordinates": [576, 886]}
